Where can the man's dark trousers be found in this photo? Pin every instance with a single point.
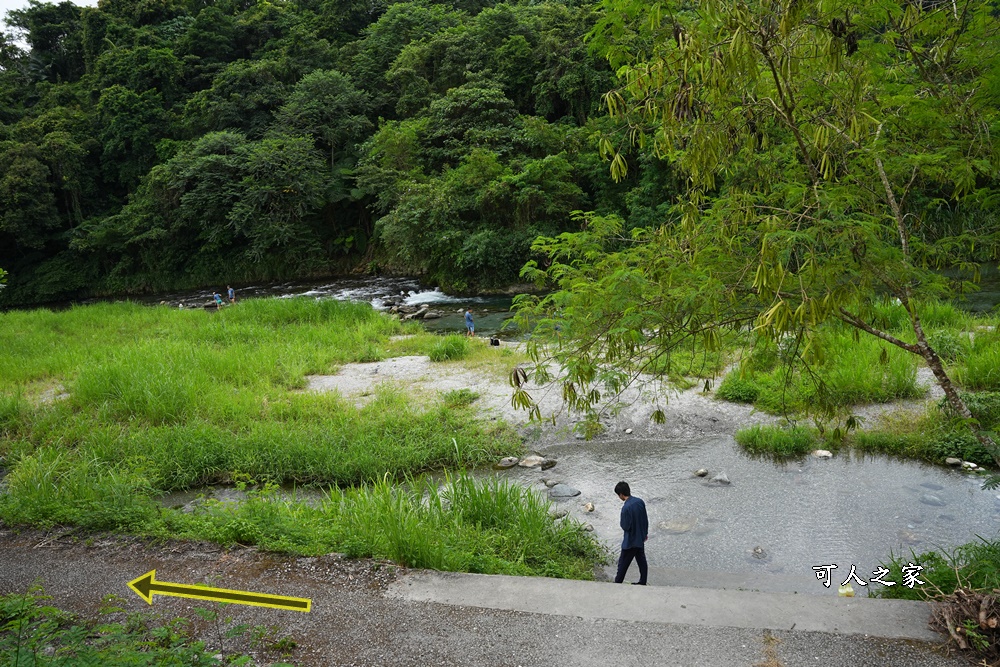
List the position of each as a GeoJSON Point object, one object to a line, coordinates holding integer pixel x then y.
{"type": "Point", "coordinates": [625, 560]}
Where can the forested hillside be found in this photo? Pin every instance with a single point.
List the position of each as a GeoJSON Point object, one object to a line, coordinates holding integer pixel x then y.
{"type": "Point", "coordinates": [156, 144]}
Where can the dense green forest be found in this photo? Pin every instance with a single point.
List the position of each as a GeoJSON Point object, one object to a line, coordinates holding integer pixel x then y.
{"type": "Point", "coordinates": [156, 144]}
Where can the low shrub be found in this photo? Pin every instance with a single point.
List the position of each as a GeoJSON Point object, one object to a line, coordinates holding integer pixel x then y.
{"type": "Point", "coordinates": [984, 406]}
{"type": "Point", "coordinates": [776, 440]}
{"type": "Point", "coordinates": [738, 389]}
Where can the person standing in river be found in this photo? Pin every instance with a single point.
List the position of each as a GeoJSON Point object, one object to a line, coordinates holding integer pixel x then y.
{"type": "Point", "coordinates": [231, 294]}
{"type": "Point", "coordinates": [635, 524]}
{"type": "Point", "coordinates": [469, 324]}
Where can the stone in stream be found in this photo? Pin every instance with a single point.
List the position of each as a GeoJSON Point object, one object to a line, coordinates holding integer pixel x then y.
{"type": "Point", "coordinates": [932, 486]}
{"type": "Point", "coordinates": [722, 479]}
{"type": "Point", "coordinates": [628, 431]}
{"type": "Point", "coordinates": [558, 514]}
{"type": "Point", "coordinates": [823, 454]}
{"type": "Point", "coordinates": [547, 464]}
{"type": "Point", "coordinates": [550, 481]}
{"type": "Point", "coordinates": [506, 462]}
{"type": "Point", "coordinates": [432, 315]}
{"type": "Point", "coordinates": [531, 461]}
{"type": "Point", "coordinates": [932, 500]}
{"type": "Point", "coordinates": [587, 527]}
{"type": "Point", "coordinates": [952, 461]}
{"type": "Point", "coordinates": [563, 491]}
{"type": "Point", "coordinates": [678, 526]}
{"type": "Point", "coordinates": [701, 472]}
{"type": "Point", "coordinates": [969, 465]}
{"type": "Point", "coordinates": [588, 507]}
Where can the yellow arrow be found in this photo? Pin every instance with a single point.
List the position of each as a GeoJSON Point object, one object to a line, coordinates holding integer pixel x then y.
{"type": "Point", "coordinates": [146, 586]}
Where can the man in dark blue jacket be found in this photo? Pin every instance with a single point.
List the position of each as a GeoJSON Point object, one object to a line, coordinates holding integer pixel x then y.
{"type": "Point", "coordinates": [635, 523]}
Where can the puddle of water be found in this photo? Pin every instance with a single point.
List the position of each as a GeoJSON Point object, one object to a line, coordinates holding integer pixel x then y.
{"type": "Point", "coordinates": [804, 513]}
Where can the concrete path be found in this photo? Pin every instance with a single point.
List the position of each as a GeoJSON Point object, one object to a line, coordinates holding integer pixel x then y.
{"type": "Point", "coordinates": [891, 619]}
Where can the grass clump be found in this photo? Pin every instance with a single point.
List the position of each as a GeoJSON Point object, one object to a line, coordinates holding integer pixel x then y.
{"type": "Point", "coordinates": [459, 398]}
{"type": "Point", "coordinates": [738, 389]}
{"type": "Point", "coordinates": [782, 442]}
{"type": "Point", "coordinates": [450, 348]}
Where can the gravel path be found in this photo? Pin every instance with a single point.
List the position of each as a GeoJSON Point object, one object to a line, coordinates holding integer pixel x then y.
{"type": "Point", "coordinates": [354, 623]}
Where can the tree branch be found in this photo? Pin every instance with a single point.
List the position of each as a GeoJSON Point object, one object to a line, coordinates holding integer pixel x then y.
{"type": "Point", "coordinates": [857, 322]}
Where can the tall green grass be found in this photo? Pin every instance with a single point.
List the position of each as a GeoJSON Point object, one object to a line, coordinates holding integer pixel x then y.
{"type": "Point", "coordinates": [450, 348]}
{"type": "Point", "coordinates": [164, 399]}
{"type": "Point", "coordinates": [980, 368]}
{"type": "Point", "coordinates": [844, 370]}
{"type": "Point", "coordinates": [777, 441]}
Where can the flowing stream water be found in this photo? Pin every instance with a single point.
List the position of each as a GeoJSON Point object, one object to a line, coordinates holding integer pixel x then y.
{"type": "Point", "coordinates": [491, 312]}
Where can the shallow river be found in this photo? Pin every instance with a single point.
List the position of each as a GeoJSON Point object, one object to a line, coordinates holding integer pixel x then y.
{"type": "Point", "coordinates": [811, 512]}
{"type": "Point", "coordinates": [491, 313]}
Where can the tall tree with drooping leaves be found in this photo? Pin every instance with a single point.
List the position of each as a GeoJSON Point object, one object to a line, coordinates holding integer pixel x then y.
{"type": "Point", "coordinates": [834, 151]}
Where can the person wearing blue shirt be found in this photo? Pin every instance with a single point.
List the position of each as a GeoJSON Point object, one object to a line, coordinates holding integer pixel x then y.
{"type": "Point", "coordinates": [469, 324]}
{"type": "Point", "coordinates": [232, 294]}
{"type": "Point", "coordinates": [635, 523]}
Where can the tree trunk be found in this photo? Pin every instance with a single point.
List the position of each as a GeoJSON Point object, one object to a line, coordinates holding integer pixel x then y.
{"type": "Point", "coordinates": [933, 361]}
{"type": "Point", "coordinates": [954, 400]}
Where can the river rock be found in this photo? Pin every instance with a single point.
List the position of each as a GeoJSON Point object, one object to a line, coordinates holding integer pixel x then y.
{"type": "Point", "coordinates": [563, 491]}
{"type": "Point", "coordinates": [506, 462]}
{"type": "Point", "coordinates": [550, 482]}
{"type": "Point", "coordinates": [558, 514]}
{"type": "Point", "coordinates": [432, 315]}
{"type": "Point", "coordinates": [722, 479]}
{"type": "Point", "coordinates": [932, 500]}
{"type": "Point", "coordinates": [823, 454]}
{"type": "Point", "coordinates": [952, 461]}
{"type": "Point", "coordinates": [969, 465]}
{"type": "Point", "coordinates": [587, 527]}
{"type": "Point", "coordinates": [758, 553]}
{"type": "Point", "coordinates": [547, 464]}
{"type": "Point", "coordinates": [677, 526]}
{"type": "Point", "coordinates": [628, 431]}
{"type": "Point", "coordinates": [701, 472]}
{"type": "Point", "coordinates": [531, 461]}
{"type": "Point", "coordinates": [588, 507]}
